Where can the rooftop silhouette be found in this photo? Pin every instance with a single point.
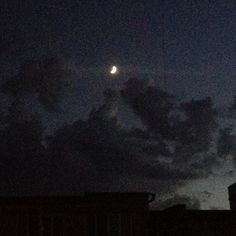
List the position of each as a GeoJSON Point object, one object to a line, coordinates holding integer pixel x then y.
{"type": "Point", "coordinates": [110, 214]}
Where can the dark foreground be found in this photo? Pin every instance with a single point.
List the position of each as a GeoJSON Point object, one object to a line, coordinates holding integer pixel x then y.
{"type": "Point", "coordinates": [109, 214]}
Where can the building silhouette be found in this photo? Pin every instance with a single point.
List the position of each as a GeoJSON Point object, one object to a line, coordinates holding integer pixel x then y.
{"type": "Point", "coordinates": [110, 214]}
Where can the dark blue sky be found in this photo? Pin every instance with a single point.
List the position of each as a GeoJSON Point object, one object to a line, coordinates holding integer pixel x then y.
{"type": "Point", "coordinates": [199, 38]}
{"type": "Point", "coordinates": [198, 59]}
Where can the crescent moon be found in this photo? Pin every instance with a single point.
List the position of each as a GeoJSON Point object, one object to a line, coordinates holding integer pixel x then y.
{"type": "Point", "coordinates": [113, 70]}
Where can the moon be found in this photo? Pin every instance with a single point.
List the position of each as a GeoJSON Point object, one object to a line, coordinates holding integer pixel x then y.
{"type": "Point", "coordinates": [113, 70]}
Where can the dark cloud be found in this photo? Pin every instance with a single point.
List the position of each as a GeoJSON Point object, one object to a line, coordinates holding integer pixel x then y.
{"type": "Point", "coordinates": [197, 129]}
{"type": "Point", "coordinates": [230, 173]}
{"type": "Point", "coordinates": [99, 142]}
{"type": "Point", "coordinates": [46, 77]}
{"type": "Point", "coordinates": [190, 203]}
{"type": "Point", "coordinates": [22, 152]}
{"type": "Point", "coordinates": [100, 154]}
{"type": "Point", "coordinates": [152, 105]}
{"type": "Point", "coordinates": [183, 132]}
{"type": "Point", "coordinates": [115, 158]}
{"type": "Point", "coordinates": [226, 139]}
{"type": "Point", "coordinates": [226, 144]}
{"type": "Point", "coordinates": [233, 107]}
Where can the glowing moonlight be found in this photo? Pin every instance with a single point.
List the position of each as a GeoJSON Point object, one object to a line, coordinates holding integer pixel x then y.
{"type": "Point", "coordinates": [113, 70]}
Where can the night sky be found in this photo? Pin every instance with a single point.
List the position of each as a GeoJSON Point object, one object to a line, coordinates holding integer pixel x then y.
{"type": "Point", "coordinates": [164, 123]}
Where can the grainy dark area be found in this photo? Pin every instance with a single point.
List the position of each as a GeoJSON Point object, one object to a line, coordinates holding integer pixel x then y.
{"type": "Point", "coordinates": [118, 96]}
